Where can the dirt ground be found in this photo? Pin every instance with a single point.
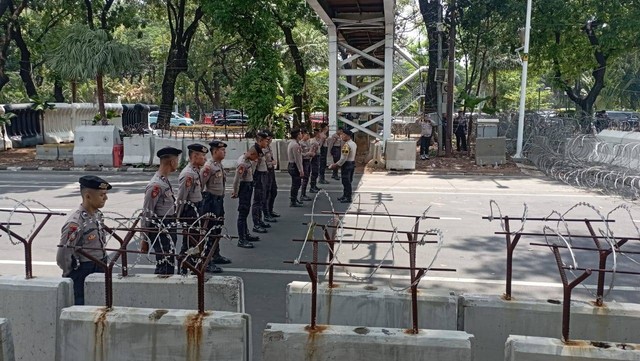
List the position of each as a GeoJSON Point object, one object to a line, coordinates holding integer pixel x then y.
{"type": "Point", "coordinates": [458, 163]}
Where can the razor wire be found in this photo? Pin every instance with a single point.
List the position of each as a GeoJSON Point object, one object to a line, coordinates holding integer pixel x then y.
{"type": "Point", "coordinates": [393, 239]}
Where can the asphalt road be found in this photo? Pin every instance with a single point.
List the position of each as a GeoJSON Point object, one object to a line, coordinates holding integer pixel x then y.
{"type": "Point", "coordinates": [470, 245]}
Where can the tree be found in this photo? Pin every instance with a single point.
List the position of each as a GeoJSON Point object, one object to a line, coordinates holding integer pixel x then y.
{"type": "Point", "coordinates": [9, 14]}
{"type": "Point", "coordinates": [92, 54]}
{"type": "Point", "coordinates": [431, 10]}
{"type": "Point", "coordinates": [182, 33]}
{"type": "Point", "coordinates": [5, 119]}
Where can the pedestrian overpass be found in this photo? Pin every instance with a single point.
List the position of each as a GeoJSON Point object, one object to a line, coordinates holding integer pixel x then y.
{"type": "Point", "coordinates": [362, 55]}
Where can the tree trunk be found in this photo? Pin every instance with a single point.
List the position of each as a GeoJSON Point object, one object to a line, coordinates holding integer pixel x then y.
{"type": "Point", "coordinates": [168, 91]}
{"type": "Point", "coordinates": [25, 62]}
{"type": "Point", "coordinates": [100, 89]}
{"type": "Point", "coordinates": [300, 69]}
{"type": "Point", "coordinates": [58, 95]}
{"type": "Point", "coordinates": [74, 91]}
{"type": "Point", "coordinates": [196, 97]}
{"type": "Point", "coordinates": [430, 10]}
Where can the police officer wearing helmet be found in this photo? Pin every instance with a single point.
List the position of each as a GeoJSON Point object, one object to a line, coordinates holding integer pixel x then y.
{"type": "Point", "coordinates": [347, 165]}
{"type": "Point", "coordinates": [214, 180]}
{"type": "Point", "coordinates": [159, 210]}
{"type": "Point", "coordinates": [84, 228]}
{"type": "Point", "coordinates": [189, 198]}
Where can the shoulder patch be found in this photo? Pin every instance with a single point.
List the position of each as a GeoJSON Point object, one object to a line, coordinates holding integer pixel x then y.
{"type": "Point", "coordinates": [189, 181]}
{"type": "Point", "coordinates": [156, 191]}
{"type": "Point", "coordinates": [206, 172]}
{"type": "Point", "coordinates": [240, 170]}
{"type": "Point", "coordinates": [72, 231]}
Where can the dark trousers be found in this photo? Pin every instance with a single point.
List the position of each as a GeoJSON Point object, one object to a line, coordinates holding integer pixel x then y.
{"type": "Point", "coordinates": [335, 153]}
{"type": "Point", "coordinates": [425, 142]}
{"type": "Point", "coordinates": [215, 205]}
{"type": "Point", "coordinates": [346, 172]}
{"type": "Point", "coordinates": [244, 206]}
{"type": "Point", "coordinates": [78, 276]}
{"type": "Point", "coordinates": [296, 181]}
{"type": "Point", "coordinates": [315, 163]}
{"type": "Point", "coordinates": [461, 140]}
{"type": "Point", "coordinates": [164, 243]}
{"type": "Point", "coordinates": [189, 214]}
{"type": "Point", "coordinates": [259, 191]}
{"type": "Point", "coordinates": [272, 191]}
{"type": "Point", "coordinates": [323, 162]}
{"type": "Point", "coordinates": [306, 167]}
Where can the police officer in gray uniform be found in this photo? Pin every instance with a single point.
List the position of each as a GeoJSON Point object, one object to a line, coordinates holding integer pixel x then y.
{"type": "Point", "coordinates": [159, 210]}
{"type": "Point", "coordinates": [307, 155]}
{"type": "Point", "coordinates": [84, 228]}
{"type": "Point", "coordinates": [214, 180]}
{"type": "Point", "coordinates": [189, 198]}
{"type": "Point", "coordinates": [260, 185]}
{"type": "Point", "coordinates": [347, 165]}
{"type": "Point", "coordinates": [272, 187]}
{"type": "Point", "coordinates": [296, 171]}
{"type": "Point", "coordinates": [243, 189]}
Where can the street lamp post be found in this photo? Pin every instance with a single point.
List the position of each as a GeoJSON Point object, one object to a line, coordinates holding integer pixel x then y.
{"type": "Point", "coordinates": [523, 85]}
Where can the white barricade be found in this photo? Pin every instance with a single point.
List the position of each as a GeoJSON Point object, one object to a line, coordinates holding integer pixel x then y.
{"type": "Point", "coordinates": [5, 142]}
{"type": "Point", "coordinates": [6, 341]}
{"type": "Point", "coordinates": [58, 124]}
{"type": "Point", "coordinates": [138, 149]}
{"type": "Point", "coordinates": [159, 143]}
{"type": "Point", "coordinates": [117, 120]}
{"type": "Point", "coordinates": [94, 145]}
{"type": "Point", "coordinates": [235, 149]}
{"type": "Point", "coordinates": [283, 157]}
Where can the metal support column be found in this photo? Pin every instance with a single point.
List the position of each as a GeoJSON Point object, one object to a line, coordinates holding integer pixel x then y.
{"type": "Point", "coordinates": [333, 79]}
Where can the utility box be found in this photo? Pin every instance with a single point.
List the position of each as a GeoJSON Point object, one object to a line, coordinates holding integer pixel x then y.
{"type": "Point", "coordinates": [400, 155]}
{"type": "Point", "coordinates": [490, 151]}
{"type": "Point", "coordinates": [487, 128]}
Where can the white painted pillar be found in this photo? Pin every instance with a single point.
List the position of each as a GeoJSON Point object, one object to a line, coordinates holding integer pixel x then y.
{"type": "Point", "coordinates": [333, 79]}
{"type": "Point", "coordinates": [388, 82]}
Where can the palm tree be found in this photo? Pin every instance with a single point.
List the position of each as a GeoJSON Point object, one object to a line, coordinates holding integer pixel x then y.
{"type": "Point", "coordinates": [92, 54]}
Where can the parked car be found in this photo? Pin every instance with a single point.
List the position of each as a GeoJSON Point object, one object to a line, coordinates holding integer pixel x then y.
{"type": "Point", "coordinates": [622, 120]}
{"type": "Point", "coordinates": [177, 119]}
{"type": "Point", "coordinates": [235, 119]}
{"type": "Point", "coordinates": [217, 114]}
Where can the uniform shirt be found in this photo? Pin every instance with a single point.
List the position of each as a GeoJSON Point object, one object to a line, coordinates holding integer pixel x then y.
{"type": "Point", "coordinates": [348, 152]}
{"type": "Point", "coordinates": [426, 128]}
{"type": "Point", "coordinates": [268, 157]}
{"type": "Point", "coordinates": [244, 173]}
{"type": "Point", "coordinates": [82, 230]}
{"type": "Point", "coordinates": [314, 144]}
{"type": "Point", "coordinates": [294, 151]}
{"type": "Point", "coordinates": [323, 140]}
{"type": "Point", "coordinates": [213, 177]}
{"type": "Point", "coordinates": [261, 165]}
{"type": "Point", "coordinates": [189, 186]}
{"type": "Point", "coordinates": [159, 200]}
{"type": "Point", "coordinates": [306, 149]}
{"type": "Point", "coordinates": [335, 141]}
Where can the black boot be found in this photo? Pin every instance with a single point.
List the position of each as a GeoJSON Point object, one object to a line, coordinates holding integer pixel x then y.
{"type": "Point", "coordinates": [294, 203]}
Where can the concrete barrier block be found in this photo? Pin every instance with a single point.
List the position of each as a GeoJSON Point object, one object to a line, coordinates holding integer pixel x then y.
{"type": "Point", "coordinates": [65, 151]}
{"type": "Point", "coordinates": [47, 152]}
{"type": "Point", "coordinates": [362, 305]}
{"type": "Point", "coordinates": [283, 157]}
{"type": "Point", "coordinates": [492, 319]}
{"type": "Point", "coordinates": [138, 149]}
{"type": "Point", "coordinates": [33, 307]}
{"type": "Point", "coordinates": [527, 348]}
{"type": "Point", "coordinates": [221, 293]}
{"type": "Point", "coordinates": [235, 149]}
{"type": "Point", "coordinates": [294, 342]}
{"type": "Point", "coordinates": [159, 143]}
{"type": "Point", "coordinates": [94, 334]}
{"type": "Point", "coordinates": [400, 154]}
{"type": "Point", "coordinates": [6, 341]}
{"type": "Point", "coordinates": [94, 145]}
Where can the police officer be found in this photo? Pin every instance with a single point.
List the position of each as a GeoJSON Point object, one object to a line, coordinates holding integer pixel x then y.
{"type": "Point", "coordinates": [84, 228]}
{"type": "Point", "coordinates": [324, 131]}
{"type": "Point", "coordinates": [214, 180]}
{"type": "Point", "coordinates": [159, 210]}
{"type": "Point", "coordinates": [314, 144]}
{"type": "Point", "coordinates": [307, 154]}
{"type": "Point", "coordinates": [260, 184]}
{"type": "Point", "coordinates": [295, 169]}
{"type": "Point", "coordinates": [347, 165]}
{"type": "Point", "coordinates": [335, 143]}
{"type": "Point", "coordinates": [272, 187]}
{"type": "Point", "coordinates": [189, 198]}
{"type": "Point", "coordinates": [243, 189]}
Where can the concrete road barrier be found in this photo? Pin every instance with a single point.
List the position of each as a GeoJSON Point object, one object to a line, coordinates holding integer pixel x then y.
{"type": "Point", "coordinates": [235, 149]}
{"type": "Point", "coordinates": [92, 333]}
{"type": "Point", "coordinates": [294, 342]}
{"type": "Point", "coordinates": [94, 145]}
{"type": "Point", "coordinates": [361, 305]}
{"type": "Point", "coordinates": [47, 152]}
{"type": "Point", "coordinates": [221, 293]}
{"type": "Point", "coordinates": [138, 149]}
{"type": "Point", "coordinates": [159, 143]}
{"type": "Point", "coordinates": [492, 319]}
{"type": "Point", "coordinates": [6, 341]}
{"type": "Point", "coordinates": [33, 307]}
{"type": "Point", "coordinates": [526, 348]}
{"type": "Point", "coordinates": [283, 156]}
